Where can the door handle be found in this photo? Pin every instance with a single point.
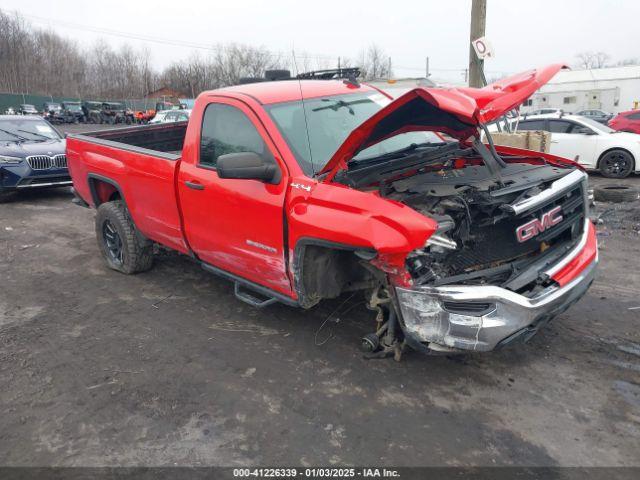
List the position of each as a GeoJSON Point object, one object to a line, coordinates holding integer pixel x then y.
{"type": "Point", "coordinates": [194, 185]}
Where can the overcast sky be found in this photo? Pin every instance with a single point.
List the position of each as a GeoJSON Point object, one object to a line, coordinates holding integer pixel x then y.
{"type": "Point", "coordinates": [524, 33]}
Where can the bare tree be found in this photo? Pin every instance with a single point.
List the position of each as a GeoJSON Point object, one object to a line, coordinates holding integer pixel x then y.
{"type": "Point", "coordinates": [41, 61]}
{"type": "Point", "coordinates": [374, 63]}
{"type": "Point", "coordinates": [627, 62]}
{"type": "Point", "coordinates": [590, 60]}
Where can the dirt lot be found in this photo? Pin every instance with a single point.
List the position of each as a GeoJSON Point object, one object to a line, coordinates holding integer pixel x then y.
{"type": "Point", "coordinates": [168, 368]}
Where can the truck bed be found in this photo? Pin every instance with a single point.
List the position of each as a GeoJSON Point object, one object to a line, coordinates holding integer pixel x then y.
{"type": "Point", "coordinates": [140, 165]}
{"type": "Point", "coordinates": [163, 140]}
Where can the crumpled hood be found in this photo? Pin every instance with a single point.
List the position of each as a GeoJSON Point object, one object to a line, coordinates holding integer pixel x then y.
{"type": "Point", "coordinates": [455, 111]}
{"type": "Point", "coordinates": [25, 149]}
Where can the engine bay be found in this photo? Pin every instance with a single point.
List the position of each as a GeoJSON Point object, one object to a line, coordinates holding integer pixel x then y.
{"type": "Point", "coordinates": [476, 242]}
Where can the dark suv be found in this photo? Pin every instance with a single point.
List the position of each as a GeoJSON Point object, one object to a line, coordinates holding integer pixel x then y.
{"type": "Point", "coordinates": [32, 155]}
{"type": "Point", "coordinates": [72, 112]}
{"type": "Point", "coordinates": [112, 112]}
{"type": "Point", "coordinates": [91, 111]}
{"type": "Point", "coordinates": [52, 111]}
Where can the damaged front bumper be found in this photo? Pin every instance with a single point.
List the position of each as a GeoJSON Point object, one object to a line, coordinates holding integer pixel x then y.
{"type": "Point", "coordinates": [481, 318]}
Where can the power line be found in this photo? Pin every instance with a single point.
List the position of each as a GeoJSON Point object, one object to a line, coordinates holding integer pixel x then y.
{"type": "Point", "coordinates": [160, 40]}
{"type": "Point", "coordinates": [209, 47]}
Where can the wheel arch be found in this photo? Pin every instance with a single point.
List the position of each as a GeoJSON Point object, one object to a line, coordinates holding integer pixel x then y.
{"type": "Point", "coordinates": [104, 189]}
{"type": "Point", "coordinates": [324, 269]}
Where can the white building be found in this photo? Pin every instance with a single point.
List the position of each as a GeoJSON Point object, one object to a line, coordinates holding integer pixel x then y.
{"type": "Point", "coordinates": [611, 89]}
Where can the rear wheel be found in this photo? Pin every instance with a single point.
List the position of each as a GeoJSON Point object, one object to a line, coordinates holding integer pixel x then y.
{"type": "Point", "coordinates": [121, 246]}
{"type": "Point", "coordinates": [616, 164]}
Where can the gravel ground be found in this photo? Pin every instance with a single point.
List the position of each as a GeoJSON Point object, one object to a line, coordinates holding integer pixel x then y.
{"type": "Point", "coordinates": [168, 368]}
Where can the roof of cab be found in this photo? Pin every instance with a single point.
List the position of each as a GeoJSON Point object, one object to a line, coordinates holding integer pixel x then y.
{"type": "Point", "coordinates": [290, 90]}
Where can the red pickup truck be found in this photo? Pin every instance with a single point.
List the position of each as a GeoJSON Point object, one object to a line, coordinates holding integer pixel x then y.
{"type": "Point", "coordinates": [302, 190]}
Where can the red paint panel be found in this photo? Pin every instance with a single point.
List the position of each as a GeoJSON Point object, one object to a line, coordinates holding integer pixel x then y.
{"type": "Point", "coordinates": [587, 256]}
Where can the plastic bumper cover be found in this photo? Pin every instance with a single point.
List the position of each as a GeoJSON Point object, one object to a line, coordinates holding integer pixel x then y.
{"type": "Point", "coordinates": [436, 316]}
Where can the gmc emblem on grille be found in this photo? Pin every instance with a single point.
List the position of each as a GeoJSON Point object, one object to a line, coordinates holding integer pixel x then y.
{"type": "Point", "coordinates": [537, 226]}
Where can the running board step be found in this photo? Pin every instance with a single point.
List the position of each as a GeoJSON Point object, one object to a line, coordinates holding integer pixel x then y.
{"type": "Point", "coordinates": [252, 300]}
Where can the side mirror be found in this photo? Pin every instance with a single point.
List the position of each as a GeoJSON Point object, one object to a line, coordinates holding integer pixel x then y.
{"type": "Point", "coordinates": [248, 166]}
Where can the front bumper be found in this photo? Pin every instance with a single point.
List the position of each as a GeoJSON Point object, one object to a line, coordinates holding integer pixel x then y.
{"type": "Point", "coordinates": [482, 318]}
{"type": "Point", "coordinates": [21, 176]}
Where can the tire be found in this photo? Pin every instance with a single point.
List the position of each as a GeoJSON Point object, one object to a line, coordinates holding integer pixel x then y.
{"type": "Point", "coordinates": [615, 194]}
{"type": "Point", "coordinates": [118, 241]}
{"type": "Point", "coordinates": [616, 164]}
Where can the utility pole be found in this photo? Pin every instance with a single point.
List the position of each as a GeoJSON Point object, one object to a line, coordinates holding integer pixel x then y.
{"type": "Point", "coordinates": [478, 23]}
{"type": "Point", "coordinates": [427, 69]}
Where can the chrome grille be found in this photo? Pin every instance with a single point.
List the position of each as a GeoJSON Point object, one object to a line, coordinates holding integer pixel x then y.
{"type": "Point", "coordinates": [60, 161]}
{"type": "Point", "coordinates": [45, 162]}
{"type": "Point", "coordinates": [39, 162]}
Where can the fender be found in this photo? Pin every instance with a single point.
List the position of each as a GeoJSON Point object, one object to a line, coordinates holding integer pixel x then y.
{"type": "Point", "coordinates": [356, 220]}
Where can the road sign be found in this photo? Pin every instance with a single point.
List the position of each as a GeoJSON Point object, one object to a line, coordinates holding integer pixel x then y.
{"type": "Point", "coordinates": [483, 48]}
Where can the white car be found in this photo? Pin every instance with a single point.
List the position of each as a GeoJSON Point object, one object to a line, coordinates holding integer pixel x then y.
{"type": "Point", "coordinates": [544, 111]}
{"type": "Point", "coordinates": [593, 145]}
{"type": "Point", "coordinates": [169, 116]}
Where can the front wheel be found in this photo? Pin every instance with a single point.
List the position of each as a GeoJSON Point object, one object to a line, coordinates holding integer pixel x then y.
{"type": "Point", "coordinates": [616, 164]}
{"type": "Point", "coordinates": [119, 243]}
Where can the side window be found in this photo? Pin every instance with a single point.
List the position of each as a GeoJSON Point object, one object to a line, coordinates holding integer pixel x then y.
{"type": "Point", "coordinates": [225, 129]}
{"type": "Point", "coordinates": [560, 126]}
{"type": "Point", "coordinates": [532, 125]}
{"type": "Point", "coordinates": [634, 116]}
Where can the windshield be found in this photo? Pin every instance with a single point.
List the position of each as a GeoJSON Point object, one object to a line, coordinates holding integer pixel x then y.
{"type": "Point", "coordinates": [330, 120]}
{"type": "Point", "coordinates": [596, 125]}
{"type": "Point", "coordinates": [72, 107]}
{"type": "Point", "coordinates": [17, 130]}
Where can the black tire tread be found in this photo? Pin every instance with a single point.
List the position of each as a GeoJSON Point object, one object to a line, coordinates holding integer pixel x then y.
{"type": "Point", "coordinates": [615, 194]}
{"type": "Point", "coordinates": [607, 175]}
{"type": "Point", "coordinates": [138, 254]}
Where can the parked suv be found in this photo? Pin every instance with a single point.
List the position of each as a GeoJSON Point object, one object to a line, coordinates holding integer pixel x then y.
{"type": "Point", "coordinates": [91, 111]}
{"type": "Point", "coordinates": [32, 155]}
{"type": "Point", "coordinates": [626, 121]}
{"type": "Point", "coordinates": [72, 112]}
{"type": "Point", "coordinates": [52, 111]}
{"type": "Point", "coordinates": [112, 112]}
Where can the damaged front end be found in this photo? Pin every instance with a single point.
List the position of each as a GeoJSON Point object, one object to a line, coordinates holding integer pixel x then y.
{"type": "Point", "coordinates": [486, 277]}
{"type": "Point", "coordinates": [513, 246]}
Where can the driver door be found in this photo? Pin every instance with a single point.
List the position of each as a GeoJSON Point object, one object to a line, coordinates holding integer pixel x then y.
{"type": "Point", "coordinates": [236, 225]}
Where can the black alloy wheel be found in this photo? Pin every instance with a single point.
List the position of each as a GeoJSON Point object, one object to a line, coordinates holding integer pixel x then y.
{"type": "Point", "coordinates": [113, 242]}
{"type": "Point", "coordinates": [616, 164]}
